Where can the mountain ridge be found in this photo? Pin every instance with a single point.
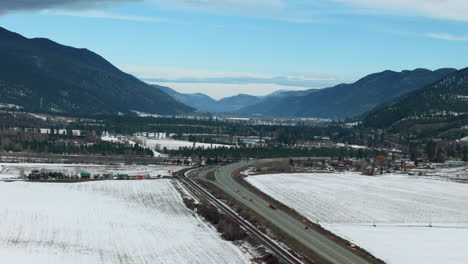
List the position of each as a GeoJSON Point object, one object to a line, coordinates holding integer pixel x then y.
{"type": "Point", "coordinates": [205, 103]}
{"type": "Point", "coordinates": [446, 98]}
{"type": "Point", "coordinates": [347, 100]}
{"type": "Point", "coordinates": [44, 76]}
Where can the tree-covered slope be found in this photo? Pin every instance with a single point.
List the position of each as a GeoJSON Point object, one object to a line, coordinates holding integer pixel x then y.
{"type": "Point", "coordinates": [347, 100]}
{"type": "Point", "coordinates": [234, 103]}
{"type": "Point", "coordinates": [41, 75]}
{"type": "Point", "coordinates": [445, 99]}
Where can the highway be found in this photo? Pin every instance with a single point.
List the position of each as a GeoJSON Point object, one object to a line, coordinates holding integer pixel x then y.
{"type": "Point", "coordinates": [200, 192]}
{"type": "Point", "coordinates": [318, 243]}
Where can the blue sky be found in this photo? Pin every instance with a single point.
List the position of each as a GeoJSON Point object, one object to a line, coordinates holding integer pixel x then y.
{"type": "Point", "coordinates": [225, 47]}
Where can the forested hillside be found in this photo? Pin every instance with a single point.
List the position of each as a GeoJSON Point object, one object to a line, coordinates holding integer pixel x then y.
{"type": "Point", "coordinates": [446, 98]}
{"type": "Point", "coordinates": [42, 76]}
{"type": "Point", "coordinates": [347, 100]}
{"type": "Point", "coordinates": [437, 110]}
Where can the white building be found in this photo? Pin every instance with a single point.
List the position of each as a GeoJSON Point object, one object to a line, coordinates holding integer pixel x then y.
{"type": "Point", "coordinates": [76, 132]}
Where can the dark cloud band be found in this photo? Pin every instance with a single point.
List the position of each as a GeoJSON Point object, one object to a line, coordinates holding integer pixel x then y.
{"type": "Point", "coordinates": [7, 6]}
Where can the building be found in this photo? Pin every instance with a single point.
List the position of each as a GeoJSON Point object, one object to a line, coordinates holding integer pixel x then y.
{"type": "Point", "coordinates": [47, 131]}
{"type": "Point", "coordinates": [76, 133]}
{"type": "Point", "coordinates": [455, 163]}
{"type": "Point", "coordinates": [85, 175]}
{"type": "Point", "coordinates": [123, 177]}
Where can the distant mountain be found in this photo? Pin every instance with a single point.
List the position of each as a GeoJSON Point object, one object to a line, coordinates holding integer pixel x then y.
{"type": "Point", "coordinates": [444, 102]}
{"type": "Point", "coordinates": [205, 103]}
{"type": "Point", "coordinates": [239, 101]}
{"type": "Point", "coordinates": [199, 101]}
{"type": "Point", "coordinates": [43, 76]}
{"type": "Point", "coordinates": [277, 92]}
{"type": "Point", "coordinates": [346, 100]}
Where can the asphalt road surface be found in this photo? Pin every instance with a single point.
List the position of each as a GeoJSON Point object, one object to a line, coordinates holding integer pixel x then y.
{"type": "Point", "coordinates": [311, 239]}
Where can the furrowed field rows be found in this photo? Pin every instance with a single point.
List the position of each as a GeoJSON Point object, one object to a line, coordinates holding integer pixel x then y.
{"type": "Point", "coordinates": [402, 219]}
{"type": "Point", "coordinates": [105, 222]}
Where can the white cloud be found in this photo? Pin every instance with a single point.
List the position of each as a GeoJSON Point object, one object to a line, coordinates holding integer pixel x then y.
{"type": "Point", "coordinates": [440, 9]}
{"type": "Point", "coordinates": [280, 10]}
{"type": "Point", "coordinates": [221, 83]}
{"type": "Point", "coordinates": [218, 5]}
{"type": "Point", "coordinates": [172, 73]}
{"type": "Point", "coordinates": [297, 11]}
{"type": "Point", "coordinates": [445, 36]}
{"type": "Point", "coordinates": [115, 16]}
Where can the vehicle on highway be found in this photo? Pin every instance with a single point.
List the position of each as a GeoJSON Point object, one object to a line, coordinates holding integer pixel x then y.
{"type": "Point", "coordinates": [272, 206]}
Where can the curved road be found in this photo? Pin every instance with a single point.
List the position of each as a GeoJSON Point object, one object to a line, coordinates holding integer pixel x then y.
{"type": "Point", "coordinates": [311, 239]}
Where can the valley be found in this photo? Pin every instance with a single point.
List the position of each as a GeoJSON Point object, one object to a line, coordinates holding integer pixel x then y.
{"type": "Point", "coordinates": [262, 132]}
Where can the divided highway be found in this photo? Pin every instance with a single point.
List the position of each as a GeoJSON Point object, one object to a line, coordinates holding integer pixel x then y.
{"type": "Point", "coordinates": [311, 239]}
{"type": "Point", "coordinates": [268, 242]}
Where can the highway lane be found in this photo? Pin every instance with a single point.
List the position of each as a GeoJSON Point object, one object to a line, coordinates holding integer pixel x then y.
{"type": "Point", "coordinates": [311, 239]}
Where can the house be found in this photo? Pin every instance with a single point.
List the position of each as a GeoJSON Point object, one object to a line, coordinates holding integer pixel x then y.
{"type": "Point", "coordinates": [76, 133]}
{"type": "Point", "coordinates": [47, 131]}
{"type": "Point", "coordinates": [85, 175]}
{"type": "Point", "coordinates": [123, 177]}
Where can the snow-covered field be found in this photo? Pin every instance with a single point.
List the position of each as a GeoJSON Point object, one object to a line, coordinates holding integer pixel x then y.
{"type": "Point", "coordinates": [105, 222]}
{"type": "Point", "coordinates": [157, 142]}
{"type": "Point", "coordinates": [401, 244]}
{"type": "Point", "coordinates": [13, 170]}
{"type": "Point", "coordinates": [450, 174]}
{"type": "Point", "coordinates": [402, 207]}
{"type": "Point", "coordinates": [171, 144]}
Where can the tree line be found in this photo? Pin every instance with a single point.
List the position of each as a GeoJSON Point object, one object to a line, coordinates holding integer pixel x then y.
{"type": "Point", "coordinates": [15, 141]}
{"type": "Point", "coordinates": [225, 153]}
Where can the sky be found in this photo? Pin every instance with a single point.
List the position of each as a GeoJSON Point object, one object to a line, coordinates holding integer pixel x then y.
{"type": "Point", "coordinates": [227, 47]}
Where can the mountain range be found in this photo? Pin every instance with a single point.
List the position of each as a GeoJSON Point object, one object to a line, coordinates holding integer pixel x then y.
{"type": "Point", "coordinates": [43, 76]}
{"type": "Point", "coordinates": [346, 100]}
{"type": "Point", "coordinates": [339, 102]}
{"type": "Point", "coordinates": [205, 103]}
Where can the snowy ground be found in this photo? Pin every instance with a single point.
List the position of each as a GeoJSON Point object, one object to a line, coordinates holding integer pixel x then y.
{"type": "Point", "coordinates": [402, 207]}
{"type": "Point", "coordinates": [450, 174]}
{"type": "Point", "coordinates": [401, 244]}
{"type": "Point", "coordinates": [157, 142]}
{"type": "Point", "coordinates": [13, 170]}
{"type": "Point", "coordinates": [105, 222]}
{"type": "Point", "coordinates": [171, 144]}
